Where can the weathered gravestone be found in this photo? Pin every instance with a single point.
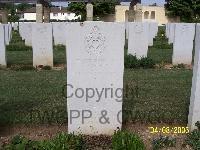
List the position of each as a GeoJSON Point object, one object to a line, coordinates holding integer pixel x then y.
{"type": "Point", "coordinates": [89, 10]}
{"type": "Point", "coordinates": [2, 46]}
{"type": "Point", "coordinates": [194, 110]}
{"type": "Point", "coordinates": [138, 39]}
{"type": "Point", "coordinates": [59, 33]}
{"type": "Point", "coordinates": [183, 43]}
{"type": "Point", "coordinates": [39, 13]}
{"type": "Point", "coordinates": [42, 44]}
{"type": "Point", "coordinates": [95, 66]}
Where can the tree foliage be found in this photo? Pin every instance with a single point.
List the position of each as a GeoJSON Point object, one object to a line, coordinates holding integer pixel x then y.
{"type": "Point", "coordinates": [104, 7]}
{"type": "Point", "coordinates": [101, 7]}
{"type": "Point", "coordinates": [78, 9]}
{"type": "Point", "coordinates": [188, 10]}
{"type": "Point", "coordinates": [23, 6]}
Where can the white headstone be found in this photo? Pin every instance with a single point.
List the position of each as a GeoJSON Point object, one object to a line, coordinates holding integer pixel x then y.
{"type": "Point", "coordinates": [21, 30]}
{"type": "Point", "coordinates": [15, 26]}
{"type": "Point", "coordinates": [28, 34]}
{"type": "Point", "coordinates": [6, 27]}
{"type": "Point", "coordinates": [95, 62]}
{"type": "Point", "coordinates": [2, 46]}
{"type": "Point", "coordinates": [138, 39]}
{"type": "Point", "coordinates": [9, 32]}
{"type": "Point", "coordinates": [126, 26]}
{"type": "Point", "coordinates": [194, 110]}
{"type": "Point", "coordinates": [167, 30]}
{"type": "Point", "coordinates": [153, 29]}
{"type": "Point", "coordinates": [42, 44]}
{"type": "Point", "coordinates": [59, 33]}
{"type": "Point", "coordinates": [172, 27]}
{"type": "Point", "coordinates": [183, 43]}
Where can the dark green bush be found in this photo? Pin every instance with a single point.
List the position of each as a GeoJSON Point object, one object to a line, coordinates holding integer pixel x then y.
{"type": "Point", "coordinates": [147, 62]}
{"type": "Point", "coordinates": [163, 142]}
{"type": "Point", "coordinates": [193, 138]}
{"type": "Point", "coordinates": [131, 61]}
{"type": "Point", "coordinates": [123, 140]}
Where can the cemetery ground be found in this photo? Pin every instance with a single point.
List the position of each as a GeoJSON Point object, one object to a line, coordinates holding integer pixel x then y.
{"type": "Point", "coordinates": [33, 101]}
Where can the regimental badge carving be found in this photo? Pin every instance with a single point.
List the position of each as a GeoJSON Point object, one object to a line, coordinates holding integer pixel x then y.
{"type": "Point", "coordinates": [95, 42]}
{"type": "Point", "coordinates": [184, 29]}
{"type": "Point", "coordinates": [139, 28]}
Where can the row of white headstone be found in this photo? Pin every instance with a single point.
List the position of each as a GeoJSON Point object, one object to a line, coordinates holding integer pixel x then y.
{"type": "Point", "coordinates": [5, 37]}
{"type": "Point", "coordinates": [140, 37]}
{"type": "Point", "coordinates": [181, 35]}
{"type": "Point", "coordinates": [58, 29]}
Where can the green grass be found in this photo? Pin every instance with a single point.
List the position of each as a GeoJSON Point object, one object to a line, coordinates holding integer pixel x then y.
{"type": "Point", "coordinates": [36, 97]}
{"type": "Point", "coordinates": [160, 55]}
{"type": "Point", "coordinates": [26, 57]}
{"type": "Point", "coordinates": [28, 96]}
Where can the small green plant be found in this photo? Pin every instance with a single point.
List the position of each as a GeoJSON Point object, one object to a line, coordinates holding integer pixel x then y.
{"type": "Point", "coordinates": [197, 124]}
{"type": "Point", "coordinates": [179, 66]}
{"type": "Point", "coordinates": [21, 143]}
{"type": "Point", "coordinates": [62, 141]}
{"type": "Point", "coordinates": [123, 140]}
{"type": "Point", "coordinates": [131, 61]}
{"type": "Point", "coordinates": [193, 138]}
{"type": "Point", "coordinates": [146, 62]}
{"type": "Point", "coordinates": [46, 68]}
{"type": "Point", "coordinates": [163, 142]}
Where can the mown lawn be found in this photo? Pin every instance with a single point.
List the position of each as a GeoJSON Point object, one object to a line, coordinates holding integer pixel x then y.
{"type": "Point", "coordinates": [37, 97]}
{"type": "Point", "coordinates": [25, 57]}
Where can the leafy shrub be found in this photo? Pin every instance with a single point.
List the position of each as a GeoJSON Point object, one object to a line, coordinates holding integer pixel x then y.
{"type": "Point", "coordinates": [193, 138]}
{"type": "Point", "coordinates": [123, 140]}
{"type": "Point", "coordinates": [147, 62]}
{"type": "Point", "coordinates": [62, 141]}
{"type": "Point", "coordinates": [163, 142]}
{"type": "Point", "coordinates": [21, 143]}
{"type": "Point", "coordinates": [59, 47]}
{"type": "Point", "coordinates": [131, 61]}
{"type": "Point", "coordinates": [18, 47]}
